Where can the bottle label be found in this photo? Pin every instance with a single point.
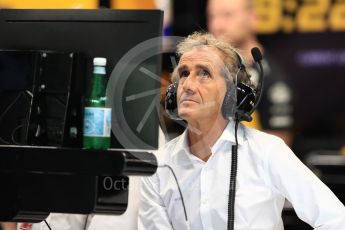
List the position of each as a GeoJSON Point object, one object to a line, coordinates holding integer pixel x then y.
{"type": "Point", "coordinates": [97, 122]}
{"type": "Point", "coordinates": [99, 70]}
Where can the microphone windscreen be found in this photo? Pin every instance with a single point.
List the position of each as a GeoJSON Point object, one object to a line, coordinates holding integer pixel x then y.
{"type": "Point", "coordinates": [256, 54]}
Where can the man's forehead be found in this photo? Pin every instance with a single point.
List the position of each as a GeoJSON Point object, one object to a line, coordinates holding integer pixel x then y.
{"type": "Point", "coordinates": [228, 4]}
{"type": "Point", "coordinates": [208, 55]}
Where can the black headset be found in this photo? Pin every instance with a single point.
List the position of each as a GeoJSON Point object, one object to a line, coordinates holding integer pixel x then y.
{"type": "Point", "coordinates": [247, 96]}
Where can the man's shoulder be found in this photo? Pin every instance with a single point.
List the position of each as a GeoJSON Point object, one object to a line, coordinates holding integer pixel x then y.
{"type": "Point", "coordinates": [169, 148]}
{"type": "Point", "coordinates": [173, 143]}
{"type": "Point", "coordinates": [261, 138]}
{"type": "Point", "coordinates": [262, 146]}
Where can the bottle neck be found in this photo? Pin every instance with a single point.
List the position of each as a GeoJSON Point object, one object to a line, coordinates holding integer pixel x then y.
{"type": "Point", "coordinates": [99, 69]}
{"type": "Point", "coordinates": [99, 79]}
{"type": "Point", "coordinates": [97, 95]}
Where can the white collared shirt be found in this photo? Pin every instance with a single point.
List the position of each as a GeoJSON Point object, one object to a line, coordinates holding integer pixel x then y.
{"type": "Point", "coordinates": [268, 172]}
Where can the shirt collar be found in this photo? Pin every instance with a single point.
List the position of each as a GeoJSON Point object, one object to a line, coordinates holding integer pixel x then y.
{"type": "Point", "coordinates": [228, 134]}
{"type": "Point", "coordinates": [182, 156]}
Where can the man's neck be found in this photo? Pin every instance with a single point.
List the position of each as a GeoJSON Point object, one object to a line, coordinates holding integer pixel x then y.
{"type": "Point", "coordinates": [202, 137]}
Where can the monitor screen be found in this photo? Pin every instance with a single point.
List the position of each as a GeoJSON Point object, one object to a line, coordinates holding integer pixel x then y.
{"type": "Point", "coordinates": [97, 33]}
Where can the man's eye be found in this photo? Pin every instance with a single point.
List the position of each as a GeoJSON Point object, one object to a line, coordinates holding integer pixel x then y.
{"type": "Point", "coordinates": [184, 73]}
{"type": "Point", "coordinates": [204, 74]}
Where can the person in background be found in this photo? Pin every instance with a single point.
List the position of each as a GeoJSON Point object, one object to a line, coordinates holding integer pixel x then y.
{"type": "Point", "coordinates": [234, 21]}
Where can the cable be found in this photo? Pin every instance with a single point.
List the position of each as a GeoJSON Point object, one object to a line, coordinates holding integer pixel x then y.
{"type": "Point", "coordinates": [179, 189]}
{"type": "Point", "coordinates": [86, 220]}
{"type": "Point", "coordinates": [257, 56]}
{"type": "Point", "coordinates": [14, 132]}
{"type": "Point", "coordinates": [29, 93]}
{"type": "Point", "coordinates": [59, 100]}
{"type": "Point", "coordinates": [232, 186]}
{"type": "Point", "coordinates": [47, 224]}
{"type": "Point", "coordinates": [4, 141]}
{"type": "Point", "coordinates": [5, 112]}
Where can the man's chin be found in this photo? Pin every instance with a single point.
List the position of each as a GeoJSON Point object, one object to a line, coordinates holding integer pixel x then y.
{"type": "Point", "coordinates": [187, 114]}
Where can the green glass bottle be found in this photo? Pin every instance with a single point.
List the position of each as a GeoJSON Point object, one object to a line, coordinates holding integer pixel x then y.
{"type": "Point", "coordinates": [97, 118]}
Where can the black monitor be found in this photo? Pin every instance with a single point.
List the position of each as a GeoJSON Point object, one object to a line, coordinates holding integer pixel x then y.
{"type": "Point", "coordinates": [51, 51]}
{"type": "Point", "coordinates": [89, 33]}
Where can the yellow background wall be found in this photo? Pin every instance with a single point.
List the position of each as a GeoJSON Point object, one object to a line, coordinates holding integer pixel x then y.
{"type": "Point", "coordinates": [49, 4]}
{"type": "Point", "coordinates": [133, 4]}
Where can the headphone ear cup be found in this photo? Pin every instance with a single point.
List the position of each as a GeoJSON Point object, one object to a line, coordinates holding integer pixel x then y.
{"type": "Point", "coordinates": [245, 99]}
{"type": "Point", "coordinates": [228, 108]}
{"type": "Point", "coordinates": [171, 101]}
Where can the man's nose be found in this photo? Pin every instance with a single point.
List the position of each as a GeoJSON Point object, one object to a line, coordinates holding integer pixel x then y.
{"type": "Point", "coordinates": [216, 26]}
{"type": "Point", "coordinates": [190, 83]}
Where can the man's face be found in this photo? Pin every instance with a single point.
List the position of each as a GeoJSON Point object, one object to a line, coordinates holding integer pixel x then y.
{"type": "Point", "coordinates": [230, 20]}
{"type": "Point", "coordinates": [201, 88]}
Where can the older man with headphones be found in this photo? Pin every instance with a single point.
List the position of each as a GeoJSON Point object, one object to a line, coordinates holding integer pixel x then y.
{"type": "Point", "coordinates": [217, 159]}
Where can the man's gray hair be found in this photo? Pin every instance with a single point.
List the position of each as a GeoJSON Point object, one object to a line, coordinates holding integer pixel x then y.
{"type": "Point", "coordinates": [230, 55]}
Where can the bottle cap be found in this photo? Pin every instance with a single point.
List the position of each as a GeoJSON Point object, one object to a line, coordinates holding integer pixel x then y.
{"type": "Point", "coordinates": [100, 61]}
